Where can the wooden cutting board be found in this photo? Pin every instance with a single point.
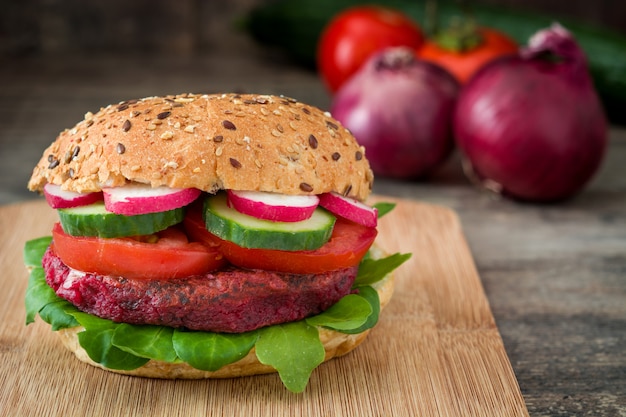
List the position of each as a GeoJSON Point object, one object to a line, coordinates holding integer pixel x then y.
{"type": "Point", "coordinates": [435, 352]}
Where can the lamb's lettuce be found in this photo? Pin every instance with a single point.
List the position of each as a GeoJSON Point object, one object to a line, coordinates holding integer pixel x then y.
{"type": "Point", "coordinates": [293, 349]}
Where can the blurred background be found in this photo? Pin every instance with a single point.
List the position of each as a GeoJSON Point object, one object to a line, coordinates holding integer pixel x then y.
{"type": "Point", "coordinates": [62, 58]}
{"type": "Point", "coordinates": [187, 27]}
{"type": "Point", "coordinates": [554, 274]}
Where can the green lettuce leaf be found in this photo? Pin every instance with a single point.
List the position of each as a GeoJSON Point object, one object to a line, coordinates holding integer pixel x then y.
{"type": "Point", "coordinates": [211, 351]}
{"type": "Point", "coordinates": [293, 349]}
{"type": "Point", "coordinates": [373, 270]}
{"type": "Point", "coordinates": [34, 250]}
{"type": "Point", "coordinates": [145, 341]}
{"type": "Point", "coordinates": [384, 208]}
{"type": "Point", "coordinates": [371, 296]}
{"type": "Point", "coordinates": [96, 339]}
{"type": "Point", "coordinates": [351, 312]}
{"type": "Point", "coordinates": [40, 298]}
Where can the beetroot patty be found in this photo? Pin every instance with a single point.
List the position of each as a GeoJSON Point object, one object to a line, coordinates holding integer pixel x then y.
{"type": "Point", "coordinates": [233, 300]}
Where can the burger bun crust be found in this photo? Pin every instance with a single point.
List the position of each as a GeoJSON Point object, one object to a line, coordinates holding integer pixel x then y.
{"type": "Point", "coordinates": [209, 142]}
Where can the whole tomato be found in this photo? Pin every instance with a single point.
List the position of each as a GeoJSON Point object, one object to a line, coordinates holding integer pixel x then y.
{"type": "Point", "coordinates": [462, 53]}
{"type": "Point", "coordinates": [353, 35]}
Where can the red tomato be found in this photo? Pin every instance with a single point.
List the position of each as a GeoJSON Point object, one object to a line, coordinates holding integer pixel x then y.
{"type": "Point", "coordinates": [347, 246]}
{"type": "Point", "coordinates": [352, 36]}
{"type": "Point", "coordinates": [464, 64]}
{"type": "Point", "coordinates": [170, 256]}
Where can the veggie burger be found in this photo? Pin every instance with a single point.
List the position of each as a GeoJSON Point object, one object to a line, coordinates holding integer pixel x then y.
{"type": "Point", "coordinates": [208, 236]}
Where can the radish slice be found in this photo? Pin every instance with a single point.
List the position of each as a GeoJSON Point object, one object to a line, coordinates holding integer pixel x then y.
{"type": "Point", "coordinates": [58, 198]}
{"type": "Point", "coordinates": [350, 209]}
{"type": "Point", "coordinates": [133, 199]}
{"type": "Point", "coordinates": [273, 206]}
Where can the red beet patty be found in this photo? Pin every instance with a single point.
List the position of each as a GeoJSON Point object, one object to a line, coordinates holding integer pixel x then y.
{"type": "Point", "coordinates": [232, 300]}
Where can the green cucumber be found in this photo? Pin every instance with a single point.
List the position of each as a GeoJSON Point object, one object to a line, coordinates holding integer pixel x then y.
{"type": "Point", "coordinates": [250, 232]}
{"type": "Point", "coordinates": [95, 220]}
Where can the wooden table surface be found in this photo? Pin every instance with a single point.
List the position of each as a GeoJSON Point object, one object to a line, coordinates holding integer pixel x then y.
{"type": "Point", "coordinates": [554, 275]}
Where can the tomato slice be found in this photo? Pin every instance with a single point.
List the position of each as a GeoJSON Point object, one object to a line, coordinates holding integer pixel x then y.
{"type": "Point", "coordinates": [346, 247]}
{"type": "Point", "coordinates": [165, 255]}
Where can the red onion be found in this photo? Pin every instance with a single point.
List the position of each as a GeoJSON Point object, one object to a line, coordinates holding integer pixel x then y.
{"type": "Point", "coordinates": [531, 126]}
{"type": "Point", "coordinates": [400, 109]}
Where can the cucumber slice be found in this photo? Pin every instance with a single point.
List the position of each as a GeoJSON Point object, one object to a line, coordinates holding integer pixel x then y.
{"type": "Point", "coordinates": [95, 220]}
{"type": "Point", "coordinates": [251, 232]}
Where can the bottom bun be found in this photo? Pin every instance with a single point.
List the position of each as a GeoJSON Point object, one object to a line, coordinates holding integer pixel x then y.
{"type": "Point", "coordinates": [335, 343]}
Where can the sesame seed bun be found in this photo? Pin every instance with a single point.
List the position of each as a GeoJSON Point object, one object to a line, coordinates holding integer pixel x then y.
{"type": "Point", "coordinates": [209, 142]}
{"type": "Point", "coordinates": [335, 344]}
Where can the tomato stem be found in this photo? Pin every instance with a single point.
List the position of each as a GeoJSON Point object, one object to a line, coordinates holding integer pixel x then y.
{"type": "Point", "coordinates": [460, 36]}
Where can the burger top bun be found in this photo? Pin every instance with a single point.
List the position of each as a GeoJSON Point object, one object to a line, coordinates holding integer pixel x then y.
{"type": "Point", "coordinates": [209, 142]}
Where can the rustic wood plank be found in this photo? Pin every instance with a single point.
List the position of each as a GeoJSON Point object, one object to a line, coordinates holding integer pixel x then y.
{"type": "Point", "coordinates": [436, 351]}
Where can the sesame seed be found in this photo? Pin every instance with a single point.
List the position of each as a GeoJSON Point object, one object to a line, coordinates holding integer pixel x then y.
{"type": "Point", "coordinates": [258, 163]}
{"type": "Point", "coordinates": [218, 138]}
{"type": "Point", "coordinates": [279, 127]}
{"type": "Point", "coordinates": [75, 152]}
{"type": "Point", "coordinates": [218, 151]}
{"type": "Point", "coordinates": [196, 170]}
{"type": "Point", "coordinates": [235, 163]}
{"type": "Point", "coordinates": [151, 126]}
{"type": "Point", "coordinates": [306, 111]}
{"type": "Point", "coordinates": [229, 125]}
{"type": "Point", "coordinates": [120, 148]}
{"type": "Point", "coordinates": [331, 125]}
{"type": "Point", "coordinates": [135, 168]}
{"type": "Point", "coordinates": [312, 141]}
{"type": "Point", "coordinates": [164, 115]}
{"type": "Point", "coordinates": [126, 126]}
{"type": "Point", "coordinates": [275, 133]}
{"type": "Point", "coordinates": [306, 187]}
{"type": "Point", "coordinates": [71, 173]}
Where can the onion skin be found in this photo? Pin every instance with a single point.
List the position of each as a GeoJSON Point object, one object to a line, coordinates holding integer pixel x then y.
{"type": "Point", "coordinates": [533, 128]}
{"type": "Point", "coordinates": [400, 109]}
